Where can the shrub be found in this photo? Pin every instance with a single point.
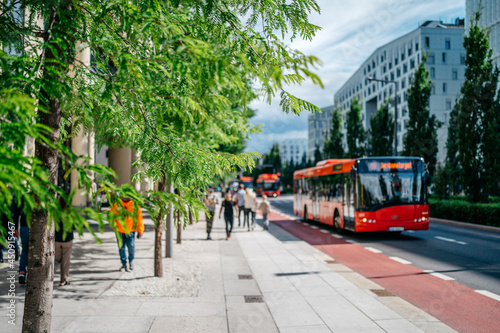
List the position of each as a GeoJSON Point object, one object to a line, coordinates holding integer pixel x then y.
{"type": "Point", "coordinates": [464, 211]}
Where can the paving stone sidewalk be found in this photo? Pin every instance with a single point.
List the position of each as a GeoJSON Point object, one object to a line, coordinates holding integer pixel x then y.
{"type": "Point", "coordinates": [258, 281]}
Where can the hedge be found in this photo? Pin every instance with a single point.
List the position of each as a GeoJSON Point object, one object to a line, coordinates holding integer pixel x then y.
{"type": "Point", "coordinates": [463, 211]}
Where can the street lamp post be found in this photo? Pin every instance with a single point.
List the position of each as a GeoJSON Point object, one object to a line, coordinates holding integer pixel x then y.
{"type": "Point", "coordinates": [395, 110]}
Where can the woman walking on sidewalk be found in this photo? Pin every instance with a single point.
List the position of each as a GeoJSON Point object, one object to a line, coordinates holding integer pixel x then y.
{"type": "Point", "coordinates": [228, 206]}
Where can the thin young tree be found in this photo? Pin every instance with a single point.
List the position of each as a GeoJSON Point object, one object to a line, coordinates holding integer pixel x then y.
{"type": "Point", "coordinates": [452, 164]}
{"type": "Point", "coordinates": [381, 132]}
{"type": "Point", "coordinates": [479, 117]}
{"type": "Point", "coordinates": [332, 147]}
{"type": "Point", "coordinates": [421, 136]}
{"type": "Point", "coordinates": [356, 133]}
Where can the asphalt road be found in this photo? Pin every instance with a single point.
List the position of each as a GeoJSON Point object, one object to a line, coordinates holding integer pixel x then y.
{"type": "Point", "coordinates": [469, 256]}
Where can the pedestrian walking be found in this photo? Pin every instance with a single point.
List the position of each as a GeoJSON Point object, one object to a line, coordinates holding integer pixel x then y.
{"type": "Point", "coordinates": [250, 201]}
{"type": "Point", "coordinates": [228, 207]}
{"type": "Point", "coordinates": [127, 230]}
{"type": "Point", "coordinates": [265, 208]}
{"type": "Point", "coordinates": [211, 203]}
{"type": "Point", "coordinates": [240, 197]}
{"type": "Point", "coordinates": [64, 247]}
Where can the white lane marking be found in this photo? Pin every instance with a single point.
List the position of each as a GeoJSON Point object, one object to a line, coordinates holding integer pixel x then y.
{"type": "Point", "coordinates": [325, 231]}
{"type": "Point", "coordinates": [488, 294]}
{"type": "Point", "coordinates": [374, 250]}
{"type": "Point", "coordinates": [336, 235]}
{"type": "Point", "coordinates": [450, 240]}
{"type": "Point", "coordinates": [410, 231]}
{"type": "Point", "coordinates": [351, 241]}
{"type": "Point", "coordinates": [441, 276]}
{"type": "Point", "coordinates": [401, 260]}
{"type": "Point", "coordinates": [314, 227]}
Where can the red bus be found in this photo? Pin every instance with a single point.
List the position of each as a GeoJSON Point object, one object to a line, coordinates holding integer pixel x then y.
{"type": "Point", "coordinates": [268, 184]}
{"type": "Point", "coordinates": [246, 181]}
{"type": "Point", "coordinates": [364, 194]}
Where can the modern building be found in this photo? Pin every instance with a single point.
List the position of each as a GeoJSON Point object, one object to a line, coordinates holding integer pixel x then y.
{"type": "Point", "coordinates": [319, 125]}
{"type": "Point", "coordinates": [490, 18]}
{"type": "Point", "coordinates": [397, 61]}
{"type": "Point", "coordinates": [292, 150]}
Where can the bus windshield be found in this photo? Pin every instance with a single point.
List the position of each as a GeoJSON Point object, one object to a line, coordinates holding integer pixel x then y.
{"type": "Point", "coordinates": [379, 187]}
{"type": "Point", "coordinates": [270, 185]}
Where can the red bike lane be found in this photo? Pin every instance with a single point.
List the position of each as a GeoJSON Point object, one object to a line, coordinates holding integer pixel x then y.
{"type": "Point", "coordinates": [457, 306]}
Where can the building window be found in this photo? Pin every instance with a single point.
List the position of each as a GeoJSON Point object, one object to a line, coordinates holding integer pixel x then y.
{"type": "Point", "coordinates": [416, 46]}
{"type": "Point", "coordinates": [403, 83]}
{"type": "Point", "coordinates": [448, 104]}
{"type": "Point", "coordinates": [412, 63]}
{"type": "Point", "coordinates": [427, 42]}
{"type": "Point", "coordinates": [444, 57]}
{"type": "Point", "coordinates": [447, 44]}
{"type": "Point", "coordinates": [369, 68]}
{"type": "Point", "coordinates": [398, 71]}
{"type": "Point", "coordinates": [430, 60]}
{"type": "Point", "coordinates": [433, 73]}
{"type": "Point", "coordinates": [444, 87]}
{"type": "Point", "coordinates": [462, 59]}
{"type": "Point", "coordinates": [433, 90]}
{"type": "Point", "coordinates": [390, 65]}
{"type": "Point", "coordinates": [405, 68]}
{"type": "Point", "coordinates": [392, 76]}
{"type": "Point", "coordinates": [405, 97]}
{"type": "Point", "coordinates": [454, 74]}
{"type": "Point", "coordinates": [396, 61]}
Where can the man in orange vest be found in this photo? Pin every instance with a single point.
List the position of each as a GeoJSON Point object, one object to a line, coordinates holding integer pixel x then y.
{"type": "Point", "coordinates": [127, 232]}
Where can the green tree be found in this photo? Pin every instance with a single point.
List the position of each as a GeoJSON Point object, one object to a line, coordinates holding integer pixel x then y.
{"type": "Point", "coordinates": [164, 78]}
{"type": "Point", "coordinates": [421, 136]}
{"type": "Point", "coordinates": [452, 163]}
{"type": "Point", "coordinates": [332, 147]}
{"type": "Point", "coordinates": [382, 132]}
{"type": "Point", "coordinates": [273, 158]}
{"type": "Point", "coordinates": [356, 134]}
{"type": "Point", "coordinates": [318, 156]}
{"type": "Point", "coordinates": [478, 117]}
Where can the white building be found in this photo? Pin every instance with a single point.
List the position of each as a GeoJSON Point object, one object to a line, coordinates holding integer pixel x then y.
{"type": "Point", "coordinates": [397, 61]}
{"type": "Point", "coordinates": [319, 125]}
{"type": "Point", "coordinates": [292, 149]}
{"type": "Point", "coordinates": [490, 18]}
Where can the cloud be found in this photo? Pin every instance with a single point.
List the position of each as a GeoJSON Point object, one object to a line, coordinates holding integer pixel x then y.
{"type": "Point", "coordinates": [351, 32]}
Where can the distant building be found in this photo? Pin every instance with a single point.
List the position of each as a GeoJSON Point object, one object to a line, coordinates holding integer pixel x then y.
{"type": "Point", "coordinates": [397, 61]}
{"type": "Point", "coordinates": [319, 125]}
{"type": "Point", "coordinates": [490, 18]}
{"type": "Point", "coordinates": [292, 149]}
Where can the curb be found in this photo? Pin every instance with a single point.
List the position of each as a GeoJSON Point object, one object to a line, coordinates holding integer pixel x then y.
{"type": "Point", "coordinates": [465, 225]}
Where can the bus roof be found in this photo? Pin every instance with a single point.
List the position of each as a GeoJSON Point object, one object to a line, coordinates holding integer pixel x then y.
{"type": "Point", "coordinates": [336, 166]}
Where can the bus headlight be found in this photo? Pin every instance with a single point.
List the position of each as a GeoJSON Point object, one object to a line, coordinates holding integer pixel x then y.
{"type": "Point", "coordinates": [364, 220]}
{"type": "Point", "coordinates": [424, 218]}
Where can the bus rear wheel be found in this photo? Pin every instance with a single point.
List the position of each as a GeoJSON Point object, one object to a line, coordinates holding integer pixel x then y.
{"type": "Point", "coordinates": [337, 224]}
{"type": "Point", "coordinates": [305, 214]}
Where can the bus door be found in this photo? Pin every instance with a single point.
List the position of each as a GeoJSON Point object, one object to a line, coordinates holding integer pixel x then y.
{"type": "Point", "coordinates": [348, 204]}
{"type": "Point", "coordinates": [315, 199]}
{"type": "Point", "coordinates": [299, 193]}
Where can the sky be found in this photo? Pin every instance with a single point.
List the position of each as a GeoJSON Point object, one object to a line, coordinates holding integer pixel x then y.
{"type": "Point", "coordinates": [351, 31]}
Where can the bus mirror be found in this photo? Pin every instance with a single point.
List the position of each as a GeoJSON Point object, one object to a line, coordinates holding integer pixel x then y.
{"type": "Point", "coordinates": [353, 173]}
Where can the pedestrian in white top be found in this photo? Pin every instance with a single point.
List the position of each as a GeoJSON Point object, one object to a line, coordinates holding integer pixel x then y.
{"type": "Point", "coordinates": [265, 209]}
{"type": "Point", "coordinates": [250, 203]}
{"type": "Point", "coordinates": [240, 195]}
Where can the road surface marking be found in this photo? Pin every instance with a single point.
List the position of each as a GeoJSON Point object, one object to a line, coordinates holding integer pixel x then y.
{"type": "Point", "coordinates": [400, 260]}
{"type": "Point", "coordinates": [439, 275]}
{"type": "Point", "coordinates": [351, 241]}
{"type": "Point", "coordinates": [336, 235]}
{"type": "Point", "coordinates": [371, 249]}
{"type": "Point", "coordinates": [488, 294]}
{"type": "Point", "coordinates": [450, 240]}
{"type": "Point", "coordinates": [314, 227]}
{"type": "Point", "coordinates": [325, 231]}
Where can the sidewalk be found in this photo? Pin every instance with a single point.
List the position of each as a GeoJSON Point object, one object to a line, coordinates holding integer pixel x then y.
{"type": "Point", "coordinates": [256, 282]}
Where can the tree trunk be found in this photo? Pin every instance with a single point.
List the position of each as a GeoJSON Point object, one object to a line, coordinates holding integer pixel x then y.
{"type": "Point", "coordinates": [190, 217]}
{"type": "Point", "coordinates": [179, 227]}
{"type": "Point", "coordinates": [158, 232]}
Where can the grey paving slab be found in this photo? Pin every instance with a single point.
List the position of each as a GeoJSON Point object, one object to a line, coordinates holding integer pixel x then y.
{"type": "Point", "coordinates": [341, 316]}
{"type": "Point", "coordinates": [250, 317]}
{"type": "Point", "coordinates": [241, 287]}
{"type": "Point", "coordinates": [306, 329]}
{"type": "Point", "coordinates": [291, 309]}
{"type": "Point", "coordinates": [274, 284]}
{"type": "Point", "coordinates": [368, 304]}
{"type": "Point", "coordinates": [96, 307]}
{"type": "Point", "coordinates": [398, 325]}
{"type": "Point", "coordinates": [188, 324]}
{"type": "Point", "coordinates": [195, 309]}
{"type": "Point", "coordinates": [119, 324]}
